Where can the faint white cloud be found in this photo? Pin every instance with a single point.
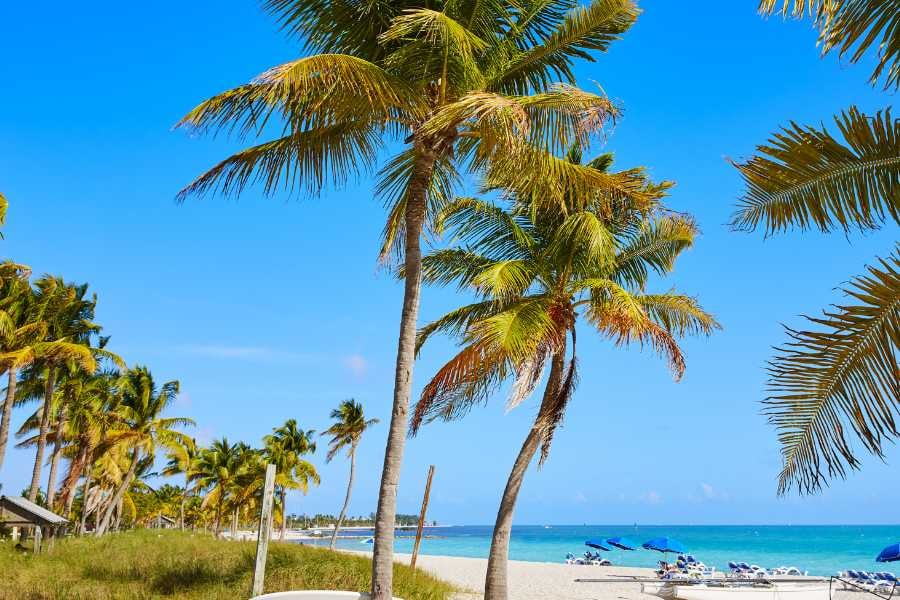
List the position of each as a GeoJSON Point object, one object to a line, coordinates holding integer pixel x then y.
{"type": "Point", "coordinates": [357, 364]}
{"type": "Point", "coordinates": [580, 498]}
{"type": "Point", "coordinates": [708, 490]}
{"type": "Point", "coordinates": [651, 497]}
{"type": "Point", "coordinates": [710, 493]}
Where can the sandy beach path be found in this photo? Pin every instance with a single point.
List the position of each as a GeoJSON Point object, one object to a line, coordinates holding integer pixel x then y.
{"type": "Point", "coordinates": [534, 580]}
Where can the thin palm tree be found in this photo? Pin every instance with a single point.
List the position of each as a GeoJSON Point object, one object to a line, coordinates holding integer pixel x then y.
{"type": "Point", "coordinates": [464, 85]}
{"type": "Point", "coordinates": [840, 375]}
{"type": "Point", "coordinates": [145, 429]}
{"type": "Point", "coordinates": [535, 272]}
{"type": "Point", "coordinates": [181, 460]}
{"type": "Point", "coordinates": [68, 314]}
{"type": "Point", "coordinates": [350, 424]}
{"type": "Point", "coordinates": [216, 469]}
{"type": "Point", "coordinates": [285, 448]}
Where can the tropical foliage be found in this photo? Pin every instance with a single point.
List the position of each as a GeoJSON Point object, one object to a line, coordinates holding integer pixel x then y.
{"type": "Point", "coordinates": [346, 432]}
{"type": "Point", "coordinates": [535, 271]}
{"type": "Point", "coordinates": [464, 86]}
{"type": "Point", "coordinates": [841, 375]}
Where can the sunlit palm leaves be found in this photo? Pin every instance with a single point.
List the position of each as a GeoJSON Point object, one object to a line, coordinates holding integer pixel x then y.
{"type": "Point", "coordinates": [844, 372]}
{"type": "Point", "coordinates": [807, 178]}
{"type": "Point", "coordinates": [853, 27]}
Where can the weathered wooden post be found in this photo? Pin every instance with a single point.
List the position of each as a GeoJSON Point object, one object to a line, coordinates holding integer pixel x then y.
{"type": "Point", "coordinates": [37, 539]}
{"type": "Point", "coordinates": [415, 552]}
{"type": "Point", "coordinates": [265, 532]}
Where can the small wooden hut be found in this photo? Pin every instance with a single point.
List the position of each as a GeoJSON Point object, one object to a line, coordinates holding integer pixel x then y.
{"type": "Point", "coordinates": [20, 513]}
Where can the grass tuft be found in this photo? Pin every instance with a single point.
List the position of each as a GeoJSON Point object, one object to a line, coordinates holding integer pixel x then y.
{"type": "Point", "coordinates": [145, 565]}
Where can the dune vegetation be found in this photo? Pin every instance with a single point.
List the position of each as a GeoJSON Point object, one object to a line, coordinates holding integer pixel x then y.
{"type": "Point", "coordinates": [144, 564]}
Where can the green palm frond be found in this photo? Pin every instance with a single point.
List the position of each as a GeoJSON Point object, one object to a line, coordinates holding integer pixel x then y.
{"type": "Point", "coordinates": [457, 322]}
{"type": "Point", "coordinates": [843, 376]}
{"type": "Point", "coordinates": [679, 314]}
{"type": "Point", "coordinates": [486, 228]}
{"type": "Point", "coordinates": [308, 159]}
{"type": "Point", "coordinates": [314, 91]}
{"type": "Point", "coordinates": [443, 267]}
{"type": "Point", "coordinates": [807, 178]}
{"type": "Point", "coordinates": [518, 330]}
{"type": "Point", "coordinates": [654, 245]}
{"type": "Point", "coordinates": [583, 236]}
{"type": "Point", "coordinates": [584, 28]}
{"type": "Point", "coordinates": [852, 27]}
{"type": "Point", "coordinates": [4, 206]}
{"type": "Point", "coordinates": [504, 279]}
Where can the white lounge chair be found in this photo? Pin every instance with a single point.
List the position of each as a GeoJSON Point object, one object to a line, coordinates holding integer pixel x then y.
{"type": "Point", "coordinates": [314, 595]}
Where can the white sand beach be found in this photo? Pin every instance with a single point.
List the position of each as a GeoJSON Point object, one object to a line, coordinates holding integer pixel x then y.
{"type": "Point", "coordinates": [536, 580]}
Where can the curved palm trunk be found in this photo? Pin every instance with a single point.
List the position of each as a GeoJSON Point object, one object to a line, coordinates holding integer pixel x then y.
{"type": "Point", "coordinates": [181, 511]}
{"type": "Point", "coordinates": [54, 457]}
{"type": "Point", "coordinates": [343, 514]}
{"type": "Point", "coordinates": [217, 531]}
{"type": "Point", "coordinates": [116, 500]}
{"type": "Point", "coordinates": [42, 435]}
{"type": "Point", "coordinates": [283, 514]}
{"type": "Point", "coordinates": [495, 581]}
{"type": "Point", "coordinates": [86, 492]}
{"type": "Point", "coordinates": [13, 376]}
{"type": "Point", "coordinates": [383, 551]}
{"type": "Point", "coordinates": [76, 469]}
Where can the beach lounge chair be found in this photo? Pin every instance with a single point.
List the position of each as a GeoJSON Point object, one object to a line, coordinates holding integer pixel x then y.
{"type": "Point", "coordinates": [314, 595]}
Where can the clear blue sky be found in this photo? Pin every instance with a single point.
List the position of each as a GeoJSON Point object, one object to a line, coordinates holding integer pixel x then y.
{"type": "Point", "coordinates": [267, 309]}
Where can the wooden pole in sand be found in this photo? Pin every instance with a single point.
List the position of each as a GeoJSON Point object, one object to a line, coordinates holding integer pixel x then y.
{"type": "Point", "coordinates": [262, 538]}
{"type": "Point", "coordinates": [415, 553]}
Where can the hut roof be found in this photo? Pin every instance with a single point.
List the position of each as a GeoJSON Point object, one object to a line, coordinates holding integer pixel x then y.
{"type": "Point", "coordinates": [18, 511]}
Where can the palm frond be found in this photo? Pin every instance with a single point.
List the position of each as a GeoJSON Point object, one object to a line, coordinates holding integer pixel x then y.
{"type": "Point", "coordinates": [680, 315]}
{"type": "Point", "coordinates": [487, 228]}
{"type": "Point", "coordinates": [807, 178]}
{"type": "Point", "coordinates": [457, 321]}
{"type": "Point", "coordinates": [654, 244]}
{"type": "Point", "coordinates": [308, 159]}
{"type": "Point", "coordinates": [552, 412]}
{"type": "Point", "coordinates": [585, 28]}
{"type": "Point", "coordinates": [443, 267]}
{"type": "Point", "coordinates": [841, 376]}
{"type": "Point", "coordinates": [853, 27]}
{"type": "Point", "coordinates": [308, 93]}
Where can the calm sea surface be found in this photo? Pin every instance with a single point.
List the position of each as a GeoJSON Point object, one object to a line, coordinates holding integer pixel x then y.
{"type": "Point", "coordinates": [821, 550]}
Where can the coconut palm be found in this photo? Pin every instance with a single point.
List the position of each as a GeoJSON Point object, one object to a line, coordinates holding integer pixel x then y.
{"type": "Point", "coordinates": [840, 375]}
{"type": "Point", "coordinates": [215, 470]}
{"type": "Point", "coordinates": [350, 424]}
{"type": "Point", "coordinates": [145, 429]}
{"type": "Point", "coordinates": [68, 314]}
{"type": "Point", "coordinates": [181, 459]}
{"type": "Point", "coordinates": [468, 85]}
{"type": "Point", "coordinates": [285, 448]}
{"type": "Point", "coordinates": [536, 271]}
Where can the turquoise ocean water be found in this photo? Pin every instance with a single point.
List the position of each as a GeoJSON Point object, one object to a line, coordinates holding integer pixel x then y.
{"type": "Point", "coordinates": [821, 550]}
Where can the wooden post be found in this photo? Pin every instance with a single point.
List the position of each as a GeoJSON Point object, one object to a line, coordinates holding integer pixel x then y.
{"type": "Point", "coordinates": [415, 552]}
{"type": "Point", "coordinates": [265, 531]}
{"type": "Point", "coordinates": [37, 539]}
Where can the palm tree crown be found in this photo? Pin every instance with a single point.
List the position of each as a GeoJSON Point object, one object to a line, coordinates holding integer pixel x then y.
{"type": "Point", "coordinates": [350, 424]}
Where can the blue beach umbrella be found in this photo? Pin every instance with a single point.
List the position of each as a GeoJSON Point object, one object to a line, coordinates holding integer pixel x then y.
{"type": "Point", "coordinates": [890, 554]}
{"type": "Point", "coordinates": [665, 544]}
{"type": "Point", "coordinates": [623, 543]}
{"type": "Point", "coordinates": [598, 544]}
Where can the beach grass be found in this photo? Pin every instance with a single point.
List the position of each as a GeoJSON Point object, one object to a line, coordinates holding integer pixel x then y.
{"type": "Point", "coordinates": [149, 564]}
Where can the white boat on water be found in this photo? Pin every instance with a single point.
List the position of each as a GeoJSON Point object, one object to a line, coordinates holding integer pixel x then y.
{"type": "Point", "coordinates": [738, 591]}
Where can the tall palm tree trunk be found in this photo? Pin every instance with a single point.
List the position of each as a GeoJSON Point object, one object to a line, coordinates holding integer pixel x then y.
{"type": "Point", "coordinates": [76, 469]}
{"type": "Point", "coordinates": [234, 523]}
{"type": "Point", "coordinates": [181, 510]}
{"type": "Point", "coordinates": [119, 495]}
{"type": "Point", "coordinates": [218, 524]}
{"type": "Point", "coordinates": [383, 551]}
{"type": "Point", "coordinates": [283, 514]}
{"type": "Point", "coordinates": [495, 581]}
{"type": "Point", "coordinates": [42, 435]}
{"type": "Point", "coordinates": [85, 494]}
{"type": "Point", "coordinates": [12, 376]}
{"type": "Point", "coordinates": [54, 457]}
{"type": "Point", "coordinates": [343, 514]}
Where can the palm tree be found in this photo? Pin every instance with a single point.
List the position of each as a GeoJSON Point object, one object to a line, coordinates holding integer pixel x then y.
{"type": "Point", "coordinates": [67, 314]}
{"type": "Point", "coordinates": [464, 85]}
{"type": "Point", "coordinates": [535, 272]}
{"type": "Point", "coordinates": [350, 424]}
{"type": "Point", "coordinates": [215, 470]}
{"type": "Point", "coordinates": [141, 408]}
{"type": "Point", "coordinates": [284, 448]}
{"type": "Point", "coordinates": [181, 460]}
{"type": "Point", "coordinates": [841, 375]}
